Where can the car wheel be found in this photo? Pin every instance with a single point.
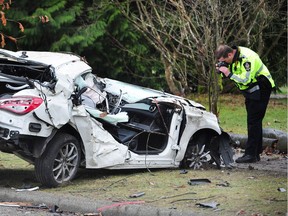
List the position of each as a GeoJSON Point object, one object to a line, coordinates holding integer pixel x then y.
{"type": "Point", "coordinates": [198, 153]}
{"type": "Point", "coordinates": [60, 161]}
{"type": "Point", "coordinates": [195, 157]}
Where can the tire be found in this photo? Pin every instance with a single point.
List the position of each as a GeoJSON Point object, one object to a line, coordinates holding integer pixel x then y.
{"type": "Point", "coordinates": [198, 153]}
{"type": "Point", "coordinates": [59, 163]}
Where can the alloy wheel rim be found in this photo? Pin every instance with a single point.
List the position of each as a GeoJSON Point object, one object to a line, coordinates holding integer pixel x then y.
{"type": "Point", "coordinates": [65, 162]}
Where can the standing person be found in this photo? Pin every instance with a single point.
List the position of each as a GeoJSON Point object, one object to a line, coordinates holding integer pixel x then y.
{"type": "Point", "coordinates": [244, 67]}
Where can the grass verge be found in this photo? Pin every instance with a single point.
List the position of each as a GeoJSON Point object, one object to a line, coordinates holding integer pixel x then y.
{"type": "Point", "coordinates": [232, 113]}
{"type": "Point", "coordinates": [251, 192]}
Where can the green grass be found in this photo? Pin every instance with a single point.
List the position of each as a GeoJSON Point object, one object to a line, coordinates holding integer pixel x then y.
{"type": "Point", "coordinates": [252, 191]}
{"type": "Point", "coordinates": [283, 90]}
{"type": "Point", "coordinates": [232, 113]}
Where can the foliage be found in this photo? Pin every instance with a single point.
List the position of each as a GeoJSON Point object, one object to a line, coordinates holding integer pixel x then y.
{"type": "Point", "coordinates": [137, 63]}
{"type": "Point", "coordinates": [186, 34]}
{"type": "Point", "coordinates": [155, 43]}
{"type": "Point", "coordinates": [93, 29]}
{"type": "Point", "coordinates": [47, 22]}
{"type": "Point", "coordinates": [275, 44]}
{"type": "Point", "coordinates": [4, 32]}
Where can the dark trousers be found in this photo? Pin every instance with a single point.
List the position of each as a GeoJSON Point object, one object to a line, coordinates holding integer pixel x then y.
{"type": "Point", "coordinates": [256, 109]}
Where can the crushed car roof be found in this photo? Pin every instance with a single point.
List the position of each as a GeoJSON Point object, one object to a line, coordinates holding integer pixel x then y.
{"type": "Point", "coordinates": [72, 65]}
{"type": "Point", "coordinates": [48, 58]}
{"type": "Point", "coordinates": [67, 64]}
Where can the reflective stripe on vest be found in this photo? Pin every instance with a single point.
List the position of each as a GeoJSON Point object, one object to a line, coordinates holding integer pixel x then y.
{"type": "Point", "coordinates": [259, 70]}
{"type": "Point", "coordinates": [253, 89]}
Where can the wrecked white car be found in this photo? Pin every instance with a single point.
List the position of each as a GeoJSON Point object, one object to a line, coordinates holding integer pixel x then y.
{"type": "Point", "coordinates": [58, 115]}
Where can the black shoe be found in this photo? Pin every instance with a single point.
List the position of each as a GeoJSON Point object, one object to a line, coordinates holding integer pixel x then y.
{"type": "Point", "coordinates": [258, 157]}
{"type": "Point", "coordinates": [246, 159]}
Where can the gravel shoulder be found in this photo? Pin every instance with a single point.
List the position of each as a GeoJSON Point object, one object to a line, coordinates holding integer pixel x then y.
{"type": "Point", "coordinates": [272, 163]}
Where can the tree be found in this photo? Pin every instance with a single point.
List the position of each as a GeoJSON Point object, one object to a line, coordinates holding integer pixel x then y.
{"type": "Point", "coordinates": [95, 30]}
{"type": "Point", "coordinates": [170, 42]}
{"type": "Point", "coordinates": [122, 52]}
{"type": "Point", "coordinates": [186, 33]}
{"type": "Point", "coordinates": [5, 6]}
{"type": "Point", "coordinates": [47, 23]}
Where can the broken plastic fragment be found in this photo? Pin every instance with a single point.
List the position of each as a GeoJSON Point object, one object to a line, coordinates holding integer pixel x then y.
{"type": "Point", "coordinates": [26, 189]}
{"type": "Point", "coordinates": [55, 209]}
{"type": "Point", "coordinates": [281, 190]}
{"type": "Point", "coordinates": [224, 184]}
{"type": "Point", "coordinates": [212, 204]}
{"type": "Point", "coordinates": [137, 195]}
{"type": "Point", "coordinates": [183, 171]}
{"type": "Point", "coordinates": [198, 181]}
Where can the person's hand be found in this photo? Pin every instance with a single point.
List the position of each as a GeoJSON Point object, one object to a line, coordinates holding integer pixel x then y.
{"type": "Point", "coordinates": [224, 70]}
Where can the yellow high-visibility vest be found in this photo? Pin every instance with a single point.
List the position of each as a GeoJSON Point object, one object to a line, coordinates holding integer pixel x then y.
{"type": "Point", "coordinates": [247, 68]}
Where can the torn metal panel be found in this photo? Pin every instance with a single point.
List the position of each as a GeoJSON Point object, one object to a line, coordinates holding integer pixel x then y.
{"type": "Point", "coordinates": [101, 149]}
{"type": "Point", "coordinates": [211, 204]}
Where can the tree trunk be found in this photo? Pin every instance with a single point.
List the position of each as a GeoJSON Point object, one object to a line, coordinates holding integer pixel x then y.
{"type": "Point", "coordinates": [214, 92]}
{"type": "Point", "coordinates": [170, 78]}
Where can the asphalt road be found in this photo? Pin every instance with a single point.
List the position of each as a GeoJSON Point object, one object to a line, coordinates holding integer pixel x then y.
{"type": "Point", "coordinates": [16, 211]}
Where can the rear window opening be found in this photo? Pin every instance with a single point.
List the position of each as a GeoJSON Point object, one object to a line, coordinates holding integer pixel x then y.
{"type": "Point", "coordinates": [18, 74]}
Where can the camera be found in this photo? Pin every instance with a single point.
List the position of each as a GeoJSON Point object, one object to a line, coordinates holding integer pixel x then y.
{"type": "Point", "coordinates": [221, 64]}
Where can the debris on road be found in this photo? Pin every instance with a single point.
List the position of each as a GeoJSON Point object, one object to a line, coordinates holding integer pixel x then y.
{"type": "Point", "coordinates": [25, 189]}
{"type": "Point", "coordinates": [281, 189]}
{"type": "Point", "coordinates": [212, 204]}
{"type": "Point", "coordinates": [198, 181]}
{"type": "Point", "coordinates": [135, 195]}
{"type": "Point", "coordinates": [223, 184]}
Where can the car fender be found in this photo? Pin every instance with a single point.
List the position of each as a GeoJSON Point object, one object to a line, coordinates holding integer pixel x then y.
{"type": "Point", "coordinates": [196, 120]}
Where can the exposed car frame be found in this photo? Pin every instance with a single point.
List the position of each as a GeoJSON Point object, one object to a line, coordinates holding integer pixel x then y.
{"type": "Point", "coordinates": [58, 115]}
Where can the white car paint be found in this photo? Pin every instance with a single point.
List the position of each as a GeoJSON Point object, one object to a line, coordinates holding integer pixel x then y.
{"type": "Point", "coordinates": [101, 149]}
